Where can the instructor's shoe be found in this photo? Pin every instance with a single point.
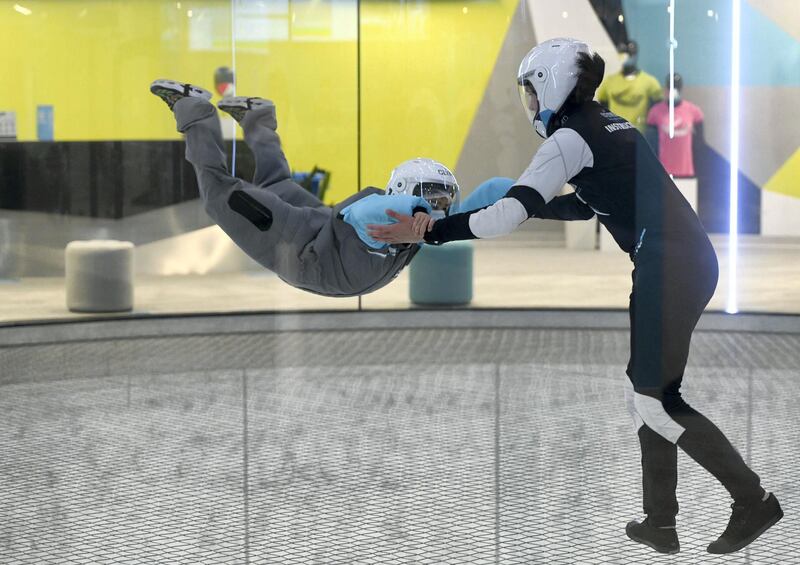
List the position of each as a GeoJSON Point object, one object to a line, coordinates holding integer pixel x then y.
{"type": "Point", "coordinates": [171, 91]}
{"type": "Point", "coordinates": [662, 539]}
{"type": "Point", "coordinates": [237, 106]}
{"type": "Point", "coordinates": [747, 522]}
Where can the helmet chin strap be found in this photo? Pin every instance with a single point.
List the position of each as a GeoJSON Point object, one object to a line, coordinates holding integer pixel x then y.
{"type": "Point", "coordinates": [540, 128]}
{"type": "Point", "coordinates": [540, 122]}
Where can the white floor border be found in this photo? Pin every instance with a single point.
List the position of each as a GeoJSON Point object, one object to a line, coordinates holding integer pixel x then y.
{"type": "Point", "coordinates": [21, 333]}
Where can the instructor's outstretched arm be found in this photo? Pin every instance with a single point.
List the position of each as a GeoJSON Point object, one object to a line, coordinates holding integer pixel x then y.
{"type": "Point", "coordinates": [560, 158]}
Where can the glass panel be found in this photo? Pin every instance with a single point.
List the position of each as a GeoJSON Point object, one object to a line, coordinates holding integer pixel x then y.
{"type": "Point", "coordinates": [461, 107]}
{"type": "Point", "coordinates": [360, 89]}
{"type": "Point", "coordinates": [89, 153]}
{"type": "Point", "coordinates": [438, 82]}
{"type": "Point", "coordinates": [300, 56]}
{"type": "Point", "coordinates": [734, 59]}
{"type": "Point", "coordinates": [769, 160]}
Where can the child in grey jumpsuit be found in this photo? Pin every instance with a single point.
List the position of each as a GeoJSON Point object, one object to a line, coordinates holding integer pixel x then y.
{"type": "Point", "coordinates": [274, 220]}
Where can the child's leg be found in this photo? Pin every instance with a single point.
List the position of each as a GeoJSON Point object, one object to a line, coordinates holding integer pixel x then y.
{"type": "Point", "coordinates": [268, 229]}
{"type": "Point", "coordinates": [272, 170]}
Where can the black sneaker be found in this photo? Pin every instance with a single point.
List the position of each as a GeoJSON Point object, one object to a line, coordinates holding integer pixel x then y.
{"type": "Point", "coordinates": [171, 91]}
{"type": "Point", "coordinates": [237, 106]}
{"type": "Point", "coordinates": [748, 521]}
{"type": "Point", "coordinates": [664, 539]}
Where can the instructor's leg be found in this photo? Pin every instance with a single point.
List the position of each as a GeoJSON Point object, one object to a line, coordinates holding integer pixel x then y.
{"type": "Point", "coordinates": [264, 226]}
{"type": "Point", "coordinates": [659, 455]}
{"type": "Point", "coordinates": [670, 297]}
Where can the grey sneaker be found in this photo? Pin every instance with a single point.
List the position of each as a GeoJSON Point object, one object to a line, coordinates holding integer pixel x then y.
{"type": "Point", "coordinates": [170, 91]}
{"type": "Point", "coordinates": [237, 106]}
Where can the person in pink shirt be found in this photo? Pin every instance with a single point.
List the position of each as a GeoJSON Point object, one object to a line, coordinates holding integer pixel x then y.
{"type": "Point", "coordinates": [675, 153]}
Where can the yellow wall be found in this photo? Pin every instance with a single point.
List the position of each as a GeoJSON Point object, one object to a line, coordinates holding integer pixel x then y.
{"type": "Point", "coordinates": [93, 61]}
{"type": "Point", "coordinates": [423, 73]}
{"type": "Point", "coordinates": [425, 67]}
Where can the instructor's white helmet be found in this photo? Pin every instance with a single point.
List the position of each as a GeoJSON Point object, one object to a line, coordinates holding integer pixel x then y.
{"type": "Point", "coordinates": [428, 179]}
{"type": "Point", "coordinates": [550, 70]}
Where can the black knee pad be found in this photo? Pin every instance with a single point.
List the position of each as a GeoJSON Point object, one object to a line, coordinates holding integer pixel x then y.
{"type": "Point", "coordinates": [258, 214]}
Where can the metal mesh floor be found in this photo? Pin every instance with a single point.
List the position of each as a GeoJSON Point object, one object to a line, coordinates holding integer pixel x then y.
{"type": "Point", "coordinates": [393, 447]}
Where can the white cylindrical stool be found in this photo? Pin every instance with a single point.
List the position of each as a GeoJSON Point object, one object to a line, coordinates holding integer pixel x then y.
{"type": "Point", "coordinates": [99, 276]}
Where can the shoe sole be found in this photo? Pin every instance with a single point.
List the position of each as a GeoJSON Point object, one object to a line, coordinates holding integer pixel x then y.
{"type": "Point", "coordinates": [654, 546]}
{"type": "Point", "coordinates": [175, 86]}
{"type": "Point", "coordinates": [747, 541]}
{"type": "Point", "coordinates": [240, 102]}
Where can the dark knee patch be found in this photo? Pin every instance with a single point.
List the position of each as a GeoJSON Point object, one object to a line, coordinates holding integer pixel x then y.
{"type": "Point", "coordinates": [258, 214]}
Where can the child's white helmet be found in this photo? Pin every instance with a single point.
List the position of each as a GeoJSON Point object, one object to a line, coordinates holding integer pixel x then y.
{"type": "Point", "coordinates": [550, 70]}
{"type": "Point", "coordinates": [427, 179]}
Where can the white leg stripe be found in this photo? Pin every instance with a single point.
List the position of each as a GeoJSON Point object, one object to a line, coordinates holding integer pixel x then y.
{"type": "Point", "coordinates": [629, 403]}
{"type": "Point", "coordinates": [656, 418]}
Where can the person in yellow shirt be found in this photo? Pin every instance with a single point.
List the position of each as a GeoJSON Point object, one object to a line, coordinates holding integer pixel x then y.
{"type": "Point", "coordinates": [631, 92]}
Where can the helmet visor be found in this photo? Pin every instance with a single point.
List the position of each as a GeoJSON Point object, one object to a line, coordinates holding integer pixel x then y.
{"type": "Point", "coordinates": [530, 101]}
{"type": "Point", "coordinates": [439, 195]}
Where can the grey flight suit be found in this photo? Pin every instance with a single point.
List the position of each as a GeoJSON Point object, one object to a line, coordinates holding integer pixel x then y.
{"type": "Point", "coordinates": [276, 221]}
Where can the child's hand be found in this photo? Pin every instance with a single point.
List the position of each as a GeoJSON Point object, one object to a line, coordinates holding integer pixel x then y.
{"type": "Point", "coordinates": [422, 223]}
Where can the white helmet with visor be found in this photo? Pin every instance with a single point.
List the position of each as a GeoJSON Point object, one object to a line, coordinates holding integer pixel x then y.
{"type": "Point", "coordinates": [427, 179]}
{"type": "Point", "coordinates": [546, 78]}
